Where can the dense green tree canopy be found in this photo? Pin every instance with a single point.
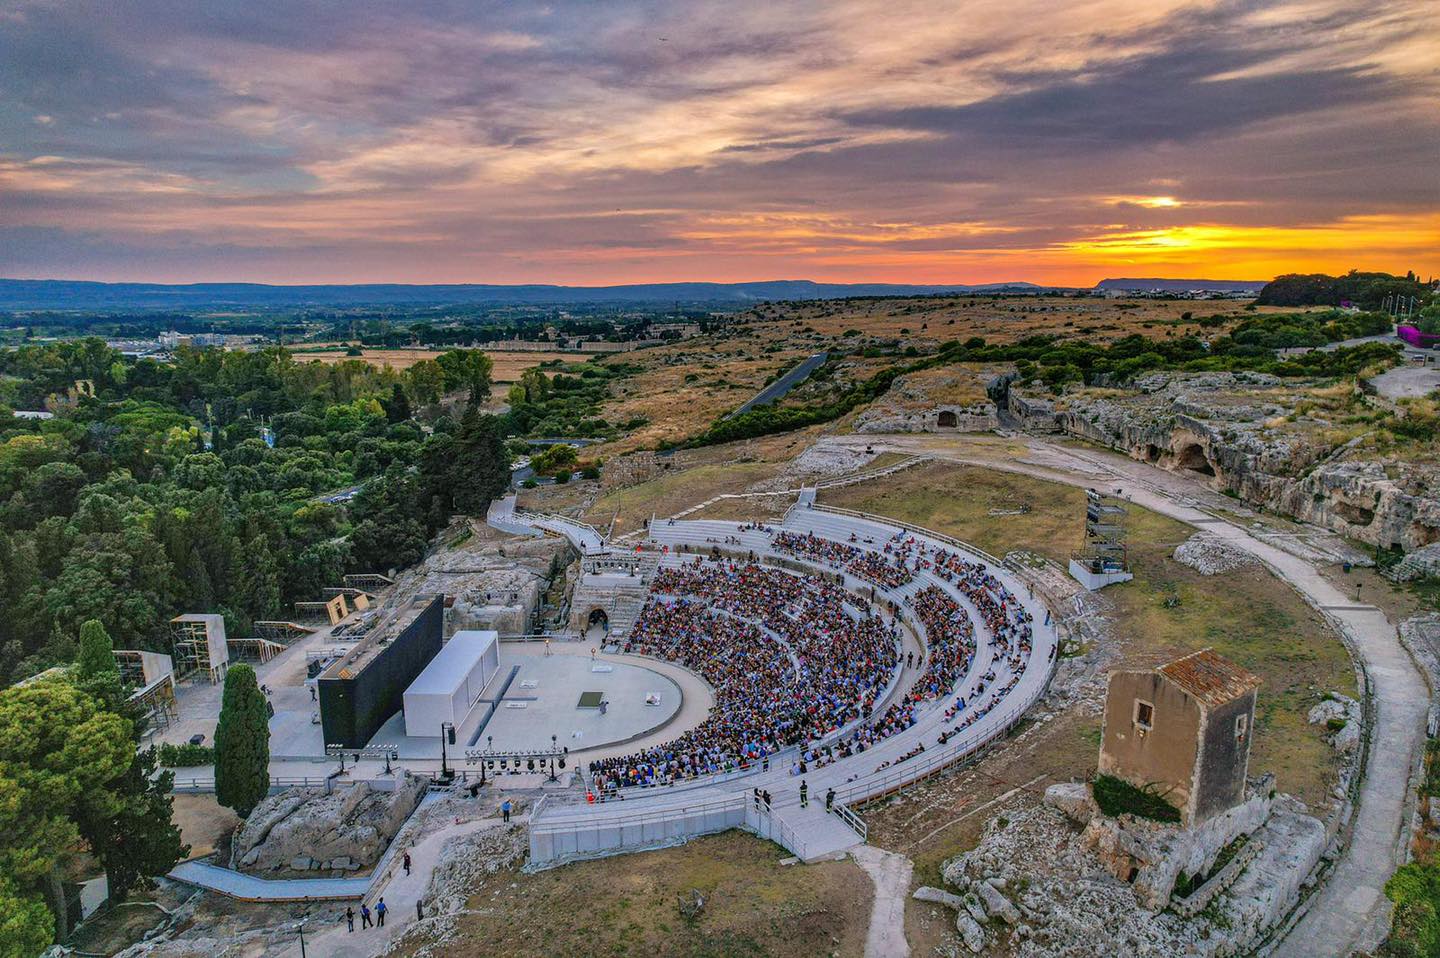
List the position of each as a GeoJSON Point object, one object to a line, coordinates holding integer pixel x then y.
{"type": "Point", "coordinates": [199, 486]}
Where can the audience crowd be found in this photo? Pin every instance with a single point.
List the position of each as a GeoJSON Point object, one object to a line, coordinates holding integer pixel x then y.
{"type": "Point", "coordinates": [794, 658]}
{"type": "Point", "coordinates": [789, 661]}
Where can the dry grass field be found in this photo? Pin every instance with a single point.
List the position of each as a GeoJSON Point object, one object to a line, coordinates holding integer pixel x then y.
{"type": "Point", "coordinates": [754, 906]}
{"type": "Point", "coordinates": [508, 365]}
{"type": "Point", "coordinates": [683, 386]}
{"type": "Point", "coordinates": [1166, 611]}
{"type": "Point", "coordinates": [995, 319]}
{"type": "Point", "coordinates": [203, 822]}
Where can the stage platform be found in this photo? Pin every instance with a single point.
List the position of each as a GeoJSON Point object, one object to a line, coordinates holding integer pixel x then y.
{"type": "Point", "coordinates": [535, 696]}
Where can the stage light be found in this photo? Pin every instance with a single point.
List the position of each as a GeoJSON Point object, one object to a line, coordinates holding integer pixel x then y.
{"type": "Point", "coordinates": [530, 764]}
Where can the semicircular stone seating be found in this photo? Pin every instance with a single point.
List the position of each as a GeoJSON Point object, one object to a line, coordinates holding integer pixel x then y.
{"type": "Point", "coordinates": [806, 661]}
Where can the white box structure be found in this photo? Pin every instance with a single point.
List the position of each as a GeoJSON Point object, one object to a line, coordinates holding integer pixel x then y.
{"type": "Point", "coordinates": [452, 682]}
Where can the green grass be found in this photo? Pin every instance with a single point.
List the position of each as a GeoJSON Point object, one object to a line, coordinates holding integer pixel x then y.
{"type": "Point", "coordinates": [1415, 932]}
{"type": "Point", "coordinates": [1115, 796]}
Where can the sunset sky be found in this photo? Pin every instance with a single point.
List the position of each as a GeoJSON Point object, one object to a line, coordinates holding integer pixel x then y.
{"type": "Point", "coordinates": [599, 142]}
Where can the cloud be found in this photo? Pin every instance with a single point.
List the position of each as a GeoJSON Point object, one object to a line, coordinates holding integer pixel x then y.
{"type": "Point", "coordinates": [447, 141]}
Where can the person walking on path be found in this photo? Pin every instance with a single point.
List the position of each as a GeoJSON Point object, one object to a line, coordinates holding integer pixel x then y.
{"type": "Point", "coordinates": [349, 918]}
{"type": "Point", "coordinates": [592, 653]}
{"type": "Point", "coordinates": [766, 796]}
{"type": "Point", "coordinates": [380, 910]}
{"type": "Point", "coordinates": [365, 921]}
{"type": "Point", "coordinates": [804, 794]}
{"type": "Point", "coordinates": [406, 862]}
{"type": "Point", "coordinates": [829, 801]}
{"type": "Point", "coordinates": [505, 810]}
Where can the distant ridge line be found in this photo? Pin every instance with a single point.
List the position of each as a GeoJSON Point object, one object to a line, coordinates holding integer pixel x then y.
{"type": "Point", "coordinates": [37, 294]}
{"type": "Point", "coordinates": [1184, 285]}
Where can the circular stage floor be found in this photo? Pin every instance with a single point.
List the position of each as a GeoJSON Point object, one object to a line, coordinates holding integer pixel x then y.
{"type": "Point", "coordinates": [559, 694]}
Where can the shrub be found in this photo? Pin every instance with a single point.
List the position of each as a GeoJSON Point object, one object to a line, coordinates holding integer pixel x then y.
{"type": "Point", "coordinates": [1415, 890]}
{"type": "Point", "coordinates": [1115, 796]}
{"type": "Point", "coordinates": [186, 756]}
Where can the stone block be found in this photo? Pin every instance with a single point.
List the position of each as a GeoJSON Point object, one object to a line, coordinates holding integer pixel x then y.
{"type": "Point", "coordinates": [939, 896]}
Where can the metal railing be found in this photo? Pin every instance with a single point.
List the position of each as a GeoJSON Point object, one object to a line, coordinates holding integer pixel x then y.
{"type": "Point", "coordinates": [560, 817]}
{"type": "Point", "coordinates": [856, 823]}
{"type": "Point", "coordinates": [197, 784]}
{"type": "Point", "coordinates": [911, 527]}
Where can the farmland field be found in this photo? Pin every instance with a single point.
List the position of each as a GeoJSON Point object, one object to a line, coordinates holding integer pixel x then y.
{"type": "Point", "coordinates": [508, 365]}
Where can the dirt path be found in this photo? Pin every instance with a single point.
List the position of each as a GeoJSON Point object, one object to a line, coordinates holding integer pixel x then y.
{"type": "Point", "coordinates": [1351, 911]}
{"type": "Point", "coordinates": [891, 874]}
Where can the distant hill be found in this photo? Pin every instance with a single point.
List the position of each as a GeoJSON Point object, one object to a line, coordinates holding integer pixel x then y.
{"type": "Point", "coordinates": [1184, 285]}
{"type": "Point", "coordinates": [29, 294]}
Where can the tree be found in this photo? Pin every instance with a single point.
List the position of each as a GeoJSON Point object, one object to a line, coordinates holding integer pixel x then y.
{"type": "Point", "coordinates": [426, 380]}
{"type": "Point", "coordinates": [481, 467]}
{"type": "Point", "coordinates": [258, 586]}
{"type": "Point", "coordinates": [26, 927]}
{"type": "Point", "coordinates": [58, 748]}
{"type": "Point", "coordinates": [242, 743]}
{"type": "Point", "coordinates": [134, 833]}
{"type": "Point", "coordinates": [97, 653]}
{"type": "Point", "coordinates": [397, 408]}
{"type": "Point", "coordinates": [466, 369]}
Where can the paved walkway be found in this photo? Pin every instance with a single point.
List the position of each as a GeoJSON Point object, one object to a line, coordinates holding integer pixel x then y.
{"type": "Point", "coordinates": [250, 888]}
{"type": "Point", "coordinates": [1351, 910]}
{"type": "Point", "coordinates": [891, 874]}
{"type": "Point", "coordinates": [1407, 382]}
{"type": "Point", "coordinates": [400, 892]}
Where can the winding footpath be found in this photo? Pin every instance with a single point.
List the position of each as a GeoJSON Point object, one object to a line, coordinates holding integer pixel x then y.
{"type": "Point", "coordinates": [1350, 911]}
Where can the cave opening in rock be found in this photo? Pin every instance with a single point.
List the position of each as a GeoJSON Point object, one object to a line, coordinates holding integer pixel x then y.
{"type": "Point", "coordinates": [947, 420]}
{"type": "Point", "coordinates": [1152, 453]}
{"type": "Point", "coordinates": [1192, 457]}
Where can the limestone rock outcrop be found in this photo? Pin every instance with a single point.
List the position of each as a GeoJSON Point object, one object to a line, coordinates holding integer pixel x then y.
{"type": "Point", "coordinates": [1341, 716]}
{"type": "Point", "coordinates": [1423, 563]}
{"type": "Point", "coordinates": [958, 398]}
{"type": "Point", "coordinates": [1210, 555]}
{"type": "Point", "coordinates": [1258, 437]}
{"type": "Point", "coordinates": [497, 580]}
{"type": "Point", "coordinates": [1075, 889]}
{"type": "Point", "coordinates": [305, 829]}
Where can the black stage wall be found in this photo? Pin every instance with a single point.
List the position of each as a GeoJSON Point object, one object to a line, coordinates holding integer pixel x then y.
{"type": "Point", "coordinates": [352, 710]}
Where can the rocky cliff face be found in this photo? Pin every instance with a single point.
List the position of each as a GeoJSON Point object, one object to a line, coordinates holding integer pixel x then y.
{"type": "Point", "coordinates": [1259, 438]}
{"type": "Point", "coordinates": [303, 829]}
{"type": "Point", "coordinates": [959, 398]}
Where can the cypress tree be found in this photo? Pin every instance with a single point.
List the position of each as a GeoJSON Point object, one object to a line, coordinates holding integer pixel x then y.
{"type": "Point", "coordinates": [97, 653]}
{"type": "Point", "coordinates": [242, 743]}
